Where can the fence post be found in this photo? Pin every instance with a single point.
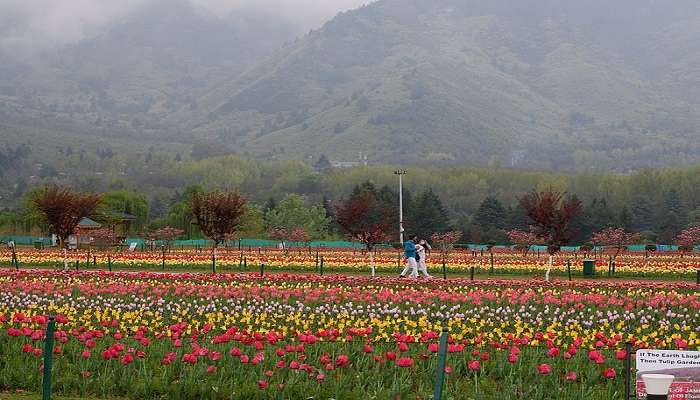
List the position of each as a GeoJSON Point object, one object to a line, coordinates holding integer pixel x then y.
{"type": "Point", "coordinates": [77, 264]}
{"type": "Point", "coordinates": [162, 248]}
{"type": "Point", "coordinates": [262, 270]}
{"type": "Point", "coordinates": [48, 358]}
{"type": "Point", "coordinates": [15, 261]}
{"type": "Point", "coordinates": [442, 356]}
{"type": "Point", "coordinates": [109, 263]}
{"type": "Point", "coordinates": [628, 370]}
{"type": "Point", "coordinates": [94, 261]}
{"type": "Point", "coordinates": [568, 269]}
{"type": "Point", "coordinates": [471, 273]}
{"type": "Point", "coordinates": [245, 263]}
{"type": "Point", "coordinates": [321, 267]}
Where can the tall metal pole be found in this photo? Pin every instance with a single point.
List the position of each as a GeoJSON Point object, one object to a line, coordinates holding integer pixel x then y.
{"type": "Point", "coordinates": [400, 173]}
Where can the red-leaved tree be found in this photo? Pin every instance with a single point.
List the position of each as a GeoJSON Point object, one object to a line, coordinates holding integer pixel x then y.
{"type": "Point", "coordinates": [365, 220]}
{"type": "Point", "coordinates": [218, 215]}
{"type": "Point", "coordinates": [445, 241]}
{"type": "Point", "coordinates": [688, 238]}
{"type": "Point", "coordinates": [615, 238]}
{"type": "Point", "coordinates": [63, 209]}
{"type": "Point", "coordinates": [523, 240]}
{"type": "Point", "coordinates": [551, 213]}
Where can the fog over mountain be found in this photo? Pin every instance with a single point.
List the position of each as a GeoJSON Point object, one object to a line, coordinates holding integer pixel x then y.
{"type": "Point", "coordinates": [536, 84]}
{"type": "Point", "coordinates": [27, 26]}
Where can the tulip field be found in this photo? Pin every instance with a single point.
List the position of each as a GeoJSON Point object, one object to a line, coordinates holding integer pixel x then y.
{"type": "Point", "coordinates": [671, 265]}
{"type": "Point", "coordinates": [239, 335]}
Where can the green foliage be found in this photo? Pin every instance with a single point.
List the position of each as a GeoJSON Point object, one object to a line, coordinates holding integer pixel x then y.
{"type": "Point", "coordinates": [491, 213]}
{"type": "Point", "coordinates": [127, 202]}
{"type": "Point", "coordinates": [428, 215]}
{"type": "Point", "coordinates": [291, 212]}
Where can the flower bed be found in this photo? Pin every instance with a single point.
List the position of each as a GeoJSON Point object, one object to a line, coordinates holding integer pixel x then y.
{"type": "Point", "coordinates": [148, 335]}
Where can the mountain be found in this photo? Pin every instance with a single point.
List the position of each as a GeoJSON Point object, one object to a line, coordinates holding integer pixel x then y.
{"type": "Point", "coordinates": [536, 84]}
{"type": "Point", "coordinates": [127, 78]}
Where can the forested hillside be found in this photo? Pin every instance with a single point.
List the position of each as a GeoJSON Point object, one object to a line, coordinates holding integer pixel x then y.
{"type": "Point", "coordinates": [538, 84]}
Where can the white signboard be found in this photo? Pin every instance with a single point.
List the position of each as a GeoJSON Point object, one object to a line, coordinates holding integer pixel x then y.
{"type": "Point", "coordinates": [683, 365]}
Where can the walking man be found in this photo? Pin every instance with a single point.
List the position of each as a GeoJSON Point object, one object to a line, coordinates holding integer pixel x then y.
{"type": "Point", "coordinates": [409, 253]}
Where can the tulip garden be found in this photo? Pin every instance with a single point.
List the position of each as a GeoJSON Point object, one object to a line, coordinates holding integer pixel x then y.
{"type": "Point", "coordinates": [671, 265]}
{"type": "Point", "coordinates": [239, 335]}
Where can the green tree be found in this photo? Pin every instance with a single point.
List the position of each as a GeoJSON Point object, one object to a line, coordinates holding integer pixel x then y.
{"type": "Point", "coordinates": [253, 221]}
{"type": "Point", "coordinates": [674, 217]}
{"type": "Point", "coordinates": [491, 214]}
{"type": "Point", "coordinates": [291, 213]}
{"type": "Point", "coordinates": [127, 202]}
{"type": "Point", "coordinates": [428, 215]}
{"type": "Point", "coordinates": [599, 216]}
{"type": "Point", "coordinates": [643, 213]}
{"type": "Point", "coordinates": [624, 220]}
{"type": "Point", "coordinates": [180, 213]}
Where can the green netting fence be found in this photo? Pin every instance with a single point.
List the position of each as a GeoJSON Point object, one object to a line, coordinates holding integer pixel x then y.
{"type": "Point", "coordinates": [255, 243]}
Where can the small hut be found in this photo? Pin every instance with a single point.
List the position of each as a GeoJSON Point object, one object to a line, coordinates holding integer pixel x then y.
{"type": "Point", "coordinates": [82, 233]}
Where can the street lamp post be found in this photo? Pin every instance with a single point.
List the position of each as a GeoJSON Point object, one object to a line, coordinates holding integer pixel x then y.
{"type": "Point", "coordinates": [400, 173]}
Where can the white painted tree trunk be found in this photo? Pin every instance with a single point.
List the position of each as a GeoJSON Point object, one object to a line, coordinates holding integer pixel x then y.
{"type": "Point", "coordinates": [65, 258]}
{"type": "Point", "coordinates": [371, 263]}
{"type": "Point", "coordinates": [549, 267]}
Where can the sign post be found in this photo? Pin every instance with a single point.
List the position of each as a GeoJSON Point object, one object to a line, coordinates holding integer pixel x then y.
{"type": "Point", "coordinates": [668, 374]}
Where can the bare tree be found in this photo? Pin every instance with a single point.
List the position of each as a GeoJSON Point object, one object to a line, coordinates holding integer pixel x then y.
{"type": "Point", "coordinates": [523, 240]}
{"type": "Point", "coordinates": [688, 239]}
{"type": "Point", "coordinates": [551, 214]}
{"type": "Point", "coordinates": [63, 209]}
{"type": "Point", "coordinates": [167, 235]}
{"type": "Point", "coordinates": [218, 214]}
{"type": "Point", "coordinates": [615, 238]}
{"type": "Point", "coordinates": [446, 242]}
{"type": "Point", "coordinates": [365, 220]}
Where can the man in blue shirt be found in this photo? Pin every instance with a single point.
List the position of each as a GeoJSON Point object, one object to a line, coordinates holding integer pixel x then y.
{"type": "Point", "coordinates": [409, 253]}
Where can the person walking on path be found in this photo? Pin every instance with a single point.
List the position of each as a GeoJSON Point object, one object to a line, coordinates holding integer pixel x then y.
{"type": "Point", "coordinates": [409, 253]}
{"type": "Point", "coordinates": [422, 249]}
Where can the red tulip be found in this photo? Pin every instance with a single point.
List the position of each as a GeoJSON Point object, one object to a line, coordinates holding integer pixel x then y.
{"type": "Point", "coordinates": [342, 360]}
{"type": "Point", "coordinates": [609, 373]}
{"type": "Point", "coordinates": [405, 362]}
{"type": "Point", "coordinates": [474, 365]}
{"type": "Point", "coordinates": [263, 384]}
{"type": "Point", "coordinates": [571, 376]}
{"type": "Point", "coordinates": [544, 369]}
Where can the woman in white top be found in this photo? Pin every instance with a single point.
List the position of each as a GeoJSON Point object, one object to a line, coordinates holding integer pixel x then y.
{"type": "Point", "coordinates": [422, 248]}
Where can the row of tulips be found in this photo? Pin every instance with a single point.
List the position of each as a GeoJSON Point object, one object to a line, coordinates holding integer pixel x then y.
{"type": "Point", "coordinates": [665, 265]}
{"type": "Point", "coordinates": [225, 336]}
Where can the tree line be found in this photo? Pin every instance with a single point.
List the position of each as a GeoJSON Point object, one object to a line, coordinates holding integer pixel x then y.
{"type": "Point", "coordinates": [298, 218]}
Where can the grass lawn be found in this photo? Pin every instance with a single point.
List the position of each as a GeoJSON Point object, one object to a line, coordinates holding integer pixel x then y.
{"type": "Point", "coordinates": [37, 396]}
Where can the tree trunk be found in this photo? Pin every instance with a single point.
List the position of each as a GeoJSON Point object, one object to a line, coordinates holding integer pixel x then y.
{"type": "Point", "coordinates": [65, 258]}
{"type": "Point", "coordinates": [371, 263]}
{"type": "Point", "coordinates": [549, 267]}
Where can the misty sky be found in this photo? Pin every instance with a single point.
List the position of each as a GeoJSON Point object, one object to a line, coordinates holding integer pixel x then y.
{"type": "Point", "coordinates": [39, 23]}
